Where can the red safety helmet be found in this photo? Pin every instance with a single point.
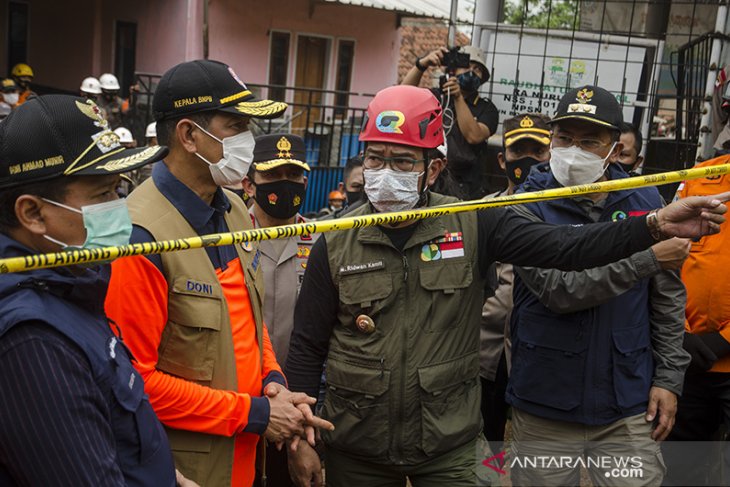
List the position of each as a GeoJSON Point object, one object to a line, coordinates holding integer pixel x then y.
{"type": "Point", "coordinates": [404, 115]}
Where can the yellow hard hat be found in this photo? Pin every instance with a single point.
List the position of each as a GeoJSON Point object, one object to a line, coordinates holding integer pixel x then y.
{"type": "Point", "coordinates": [21, 69]}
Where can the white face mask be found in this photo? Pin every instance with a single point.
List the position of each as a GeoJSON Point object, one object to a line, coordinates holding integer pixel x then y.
{"type": "Point", "coordinates": [390, 190]}
{"type": "Point", "coordinates": [572, 165]}
{"type": "Point", "coordinates": [11, 98]}
{"type": "Point", "coordinates": [237, 158]}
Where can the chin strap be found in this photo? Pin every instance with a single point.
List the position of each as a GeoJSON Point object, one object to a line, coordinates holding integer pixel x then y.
{"type": "Point", "coordinates": [423, 198]}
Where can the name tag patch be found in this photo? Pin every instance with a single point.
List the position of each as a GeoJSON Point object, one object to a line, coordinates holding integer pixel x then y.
{"type": "Point", "coordinates": [358, 268]}
{"type": "Point", "coordinates": [199, 287]}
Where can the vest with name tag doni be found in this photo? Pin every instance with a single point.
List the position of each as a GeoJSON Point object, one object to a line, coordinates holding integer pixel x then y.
{"type": "Point", "coordinates": [198, 321]}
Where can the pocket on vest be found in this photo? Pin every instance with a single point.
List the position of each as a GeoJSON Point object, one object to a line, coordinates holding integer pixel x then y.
{"type": "Point", "coordinates": [450, 413]}
{"type": "Point", "coordinates": [548, 359]}
{"type": "Point", "coordinates": [370, 294]}
{"type": "Point", "coordinates": [189, 344]}
{"type": "Point", "coordinates": [632, 365]}
{"type": "Point", "coordinates": [357, 404]}
{"type": "Point", "coordinates": [446, 284]}
{"type": "Point", "coordinates": [139, 432]}
{"type": "Point", "coordinates": [192, 452]}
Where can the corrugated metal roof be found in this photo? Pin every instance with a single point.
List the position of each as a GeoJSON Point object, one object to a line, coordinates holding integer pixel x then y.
{"type": "Point", "coordinates": [438, 9]}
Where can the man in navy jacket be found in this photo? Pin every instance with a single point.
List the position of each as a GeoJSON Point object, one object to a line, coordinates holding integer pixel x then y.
{"type": "Point", "coordinates": [589, 377]}
{"type": "Point", "coordinates": [74, 411]}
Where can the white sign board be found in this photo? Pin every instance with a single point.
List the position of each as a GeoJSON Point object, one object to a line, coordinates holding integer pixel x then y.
{"type": "Point", "coordinates": [546, 68]}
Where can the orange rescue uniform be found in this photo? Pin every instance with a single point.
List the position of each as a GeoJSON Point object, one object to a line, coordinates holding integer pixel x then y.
{"type": "Point", "coordinates": [706, 272]}
{"type": "Point", "coordinates": [137, 300]}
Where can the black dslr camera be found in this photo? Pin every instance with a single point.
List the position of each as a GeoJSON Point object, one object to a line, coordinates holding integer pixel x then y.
{"type": "Point", "coordinates": [453, 60]}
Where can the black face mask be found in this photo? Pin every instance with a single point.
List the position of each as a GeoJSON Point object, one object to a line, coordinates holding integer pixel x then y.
{"type": "Point", "coordinates": [518, 170]}
{"type": "Point", "coordinates": [280, 199]}
{"type": "Point", "coordinates": [353, 197]}
{"type": "Point", "coordinates": [626, 167]}
{"type": "Point", "coordinates": [469, 82]}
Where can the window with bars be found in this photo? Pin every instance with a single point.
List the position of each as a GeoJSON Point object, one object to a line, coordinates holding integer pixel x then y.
{"type": "Point", "coordinates": [345, 56]}
{"type": "Point", "coordinates": [278, 64]}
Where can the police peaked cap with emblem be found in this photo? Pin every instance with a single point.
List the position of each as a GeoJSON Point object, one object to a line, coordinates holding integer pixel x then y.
{"type": "Point", "coordinates": [532, 126]}
{"type": "Point", "coordinates": [592, 104]}
{"type": "Point", "coordinates": [61, 135]}
{"type": "Point", "coordinates": [276, 150]}
{"type": "Point", "coordinates": [204, 85]}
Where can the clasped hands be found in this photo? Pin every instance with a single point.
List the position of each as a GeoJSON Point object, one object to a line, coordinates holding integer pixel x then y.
{"type": "Point", "coordinates": [291, 417]}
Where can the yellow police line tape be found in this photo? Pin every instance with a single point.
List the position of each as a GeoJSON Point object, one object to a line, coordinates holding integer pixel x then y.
{"type": "Point", "coordinates": [58, 259]}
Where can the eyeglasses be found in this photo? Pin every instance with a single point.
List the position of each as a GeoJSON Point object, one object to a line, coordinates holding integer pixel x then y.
{"type": "Point", "coordinates": [587, 144]}
{"type": "Point", "coordinates": [402, 164]}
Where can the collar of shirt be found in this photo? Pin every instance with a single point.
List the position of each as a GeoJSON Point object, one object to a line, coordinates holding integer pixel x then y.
{"type": "Point", "coordinates": [196, 211]}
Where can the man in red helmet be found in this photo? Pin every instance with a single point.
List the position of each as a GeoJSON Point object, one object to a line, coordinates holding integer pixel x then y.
{"type": "Point", "coordinates": [395, 309]}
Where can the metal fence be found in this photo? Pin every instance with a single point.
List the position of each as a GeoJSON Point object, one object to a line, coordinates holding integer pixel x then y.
{"type": "Point", "coordinates": [658, 57]}
{"type": "Point", "coordinates": [694, 66]}
{"type": "Point", "coordinates": [322, 180]}
{"type": "Point", "coordinates": [329, 130]}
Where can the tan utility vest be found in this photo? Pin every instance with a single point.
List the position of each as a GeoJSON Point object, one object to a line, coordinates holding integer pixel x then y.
{"type": "Point", "coordinates": [197, 342]}
{"type": "Point", "coordinates": [409, 390]}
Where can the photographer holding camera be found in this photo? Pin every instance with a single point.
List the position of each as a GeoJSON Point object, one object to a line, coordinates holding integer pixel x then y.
{"type": "Point", "coordinates": [473, 118]}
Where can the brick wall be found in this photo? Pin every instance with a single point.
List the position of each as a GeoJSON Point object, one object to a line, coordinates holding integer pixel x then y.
{"type": "Point", "coordinates": [418, 38]}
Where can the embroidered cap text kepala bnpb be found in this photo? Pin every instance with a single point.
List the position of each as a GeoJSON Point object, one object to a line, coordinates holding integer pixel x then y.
{"type": "Point", "coordinates": [205, 85]}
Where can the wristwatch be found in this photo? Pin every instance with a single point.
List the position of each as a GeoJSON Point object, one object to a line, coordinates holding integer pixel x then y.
{"type": "Point", "coordinates": [652, 221]}
{"type": "Point", "coordinates": [420, 66]}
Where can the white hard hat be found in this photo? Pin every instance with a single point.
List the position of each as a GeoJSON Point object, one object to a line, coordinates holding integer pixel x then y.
{"type": "Point", "coordinates": [109, 82]}
{"type": "Point", "coordinates": [125, 136]}
{"type": "Point", "coordinates": [151, 130]}
{"type": "Point", "coordinates": [91, 85]}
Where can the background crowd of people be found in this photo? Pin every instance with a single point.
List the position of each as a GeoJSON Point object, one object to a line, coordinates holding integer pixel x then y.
{"type": "Point", "coordinates": [387, 353]}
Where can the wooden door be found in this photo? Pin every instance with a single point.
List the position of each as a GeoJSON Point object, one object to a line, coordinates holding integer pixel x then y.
{"type": "Point", "coordinates": [310, 73]}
